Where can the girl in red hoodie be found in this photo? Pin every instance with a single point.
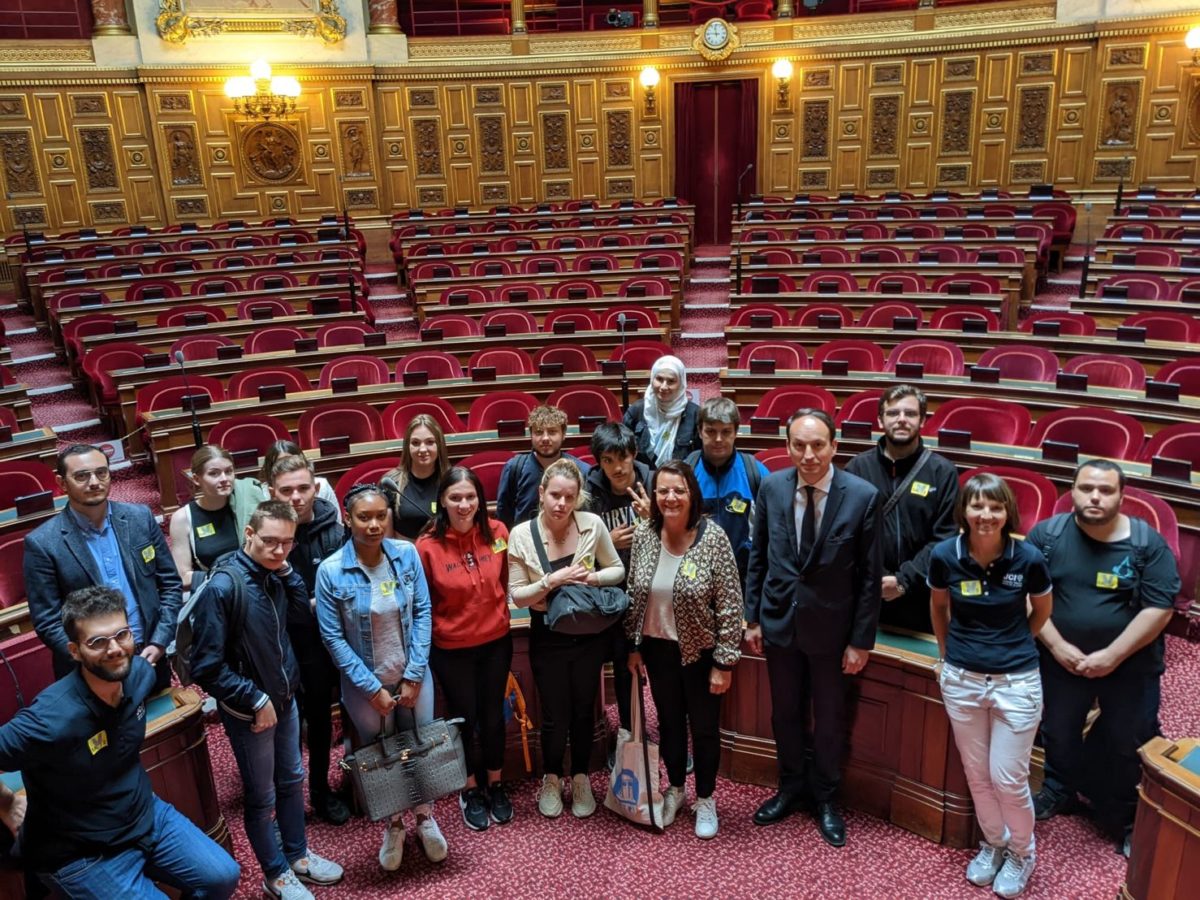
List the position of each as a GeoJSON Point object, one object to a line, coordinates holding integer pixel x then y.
{"type": "Point", "coordinates": [465, 556]}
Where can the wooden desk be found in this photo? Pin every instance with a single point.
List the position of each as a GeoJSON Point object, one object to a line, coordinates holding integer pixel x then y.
{"type": "Point", "coordinates": [16, 398]}
{"type": "Point", "coordinates": [1011, 278]}
{"type": "Point", "coordinates": [662, 306]}
{"type": "Point", "coordinates": [636, 231]}
{"type": "Point", "coordinates": [1165, 857]}
{"type": "Point", "coordinates": [1005, 306]}
{"type": "Point", "coordinates": [39, 444]}
{"type": "Point", "coordinates": [626, 257]}
{"type": "Point", "coordinates": [1109, 312]}
{"type": "Point", "coordinates": [1099, 271]}
{"type": "Point", "coordinates": [479, 216]}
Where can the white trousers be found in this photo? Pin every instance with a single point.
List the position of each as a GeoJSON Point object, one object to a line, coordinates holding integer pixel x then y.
{"type": "Point", "coordinates": [995, 718]}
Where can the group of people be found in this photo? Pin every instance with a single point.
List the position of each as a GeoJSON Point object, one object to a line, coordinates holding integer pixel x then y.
{"type": "Point", "coordinates": [302, 601]}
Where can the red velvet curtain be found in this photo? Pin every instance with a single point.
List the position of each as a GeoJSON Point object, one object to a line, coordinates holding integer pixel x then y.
{"type": "Point", "coordinates": [716, 138]}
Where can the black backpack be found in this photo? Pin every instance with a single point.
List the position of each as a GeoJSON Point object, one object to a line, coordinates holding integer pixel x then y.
{"type": "Point", "coordinates": [180, 651]}
{"type": "Point", "coordinates": [1139, 537]}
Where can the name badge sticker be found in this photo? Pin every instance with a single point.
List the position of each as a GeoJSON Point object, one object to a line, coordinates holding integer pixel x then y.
{"type": "Point", "coordinates": [971, 589]}
{"type": "Point", "coordinates": [920, 488]}
{"type": "Point", "coordinates": [689, 569]}
{"type": "Point", "coordinates": [387, 588]}
{"type": "Point", "coordinates": [148, 554]}
{"type": "Point", "coordinates": [98, 742]}
{"type": "Point", "coordinates": [433, 507]}
{"type": "Point", "coordinates": [737, 506]}
{"type": "Point", "coordinates": [207, 530]}
{"type": "Point", "coordinates": [499, 545]}
{"type": "Point", "coordinates": [587, 562]}
{"type": "Point", "coordinates": [1107, 580]}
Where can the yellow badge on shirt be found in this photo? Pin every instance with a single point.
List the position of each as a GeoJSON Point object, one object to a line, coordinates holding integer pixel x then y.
{"type": "Point", "coordinates": [737, 506]}
{"type": "Point", "coordinates": [433, 507]}
{"type": "Point", "coordinates": [1107, 580]}
{"type": "Point", "coordinates": [206, 530]}
{"type": "Point", "coordinates": [971, 589]}
{"type": "Point", "coordinates": [387, 588]}
{"type": "Point", "coordinates": [98, 742]}
{"type": "Point", "coordinates": [689, 569]}
{"type": "Point", "coordinates": [920, 488]}
{"type": "Point", "coordinates": [587, 562]}
{"type": "Point", "coordinates": [148, 554]}
{"type": "Point", "coordinates": [499, 545]}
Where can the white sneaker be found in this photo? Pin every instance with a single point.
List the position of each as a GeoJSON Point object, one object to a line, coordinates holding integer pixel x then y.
{"type": "Point", "coordinates": [583, 804]}
{"type": "Point", "coordinates": [287, 887]}
{"type": "Point", "coordinates": [391, 851]}
{"type": "Point", "coordinates": [981, 871]}
{"type": "Point", "coordinates": [550, 802]}
{"type": "Point", "coordinates": [706, 817]}
{"type": "Point", "coordinates": [672, 803]}
{"type": "Point", "coordinates": [317, 870]}
{"type": "Point", "coordinates": [1014, 874]}
{"type": "Point", "coordinates": [432, 841]}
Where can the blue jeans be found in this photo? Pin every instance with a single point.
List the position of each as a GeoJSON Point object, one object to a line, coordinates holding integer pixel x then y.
{"type": "Point", "coordinates": [273, 777]}
{"type": "Point", "coordinates": [179, 854]}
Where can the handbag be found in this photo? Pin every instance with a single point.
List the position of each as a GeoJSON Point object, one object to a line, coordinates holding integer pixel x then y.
{"type": "Point", "coordinates": [402, 770]}
{"type": "Point", "coordinates": [579, 608]}
{"type": "Point", "coordinates": [631, 794]}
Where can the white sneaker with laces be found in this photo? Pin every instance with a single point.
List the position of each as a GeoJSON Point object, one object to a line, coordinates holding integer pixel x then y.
{"type": "Point", "coordinates": [706, 817]}
{"type": "Point", "coordinates": [981, 871]}
{"type": "Point", "coordinates": [583, 804]}
{"type": "Point", "coordinates": [672, 803]}
{"type": "Point", "coordinates": [391, 851]}
{"type": "Point", "coordinates": [1014, 874]}
{"type": "Point", "coordinates": [432, 840]}
{"type": "Point", "coordinates": [317, 870]}
{"type": "Point", "coordinates": [287, 887]}
{"type": "Point", "coordinates": [550, 802]}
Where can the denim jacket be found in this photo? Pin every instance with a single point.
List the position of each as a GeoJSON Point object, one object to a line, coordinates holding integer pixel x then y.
{"type": "Point", "coordinates": [343, 596]}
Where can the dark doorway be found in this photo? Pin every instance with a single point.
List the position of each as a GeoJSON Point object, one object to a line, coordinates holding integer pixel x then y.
{"type": "Point", "coordinates": [716, 141]}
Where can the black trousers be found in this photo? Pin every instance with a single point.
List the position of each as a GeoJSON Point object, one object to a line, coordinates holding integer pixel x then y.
{"type": "Point", "coordinates": [473, 680]}
{"type": "Point", "coordinates": [1104, 766]}
{"type": "Point", "coordinates": [566, 670]}
{"type": "Point", "coordinates": [799, 679]}
{"type": "Point", "coordinates": [682, 697]}
{"type": "Point", "coordinates": [618, 655]}
{"type": "Point", "coordinates": [319, 690]}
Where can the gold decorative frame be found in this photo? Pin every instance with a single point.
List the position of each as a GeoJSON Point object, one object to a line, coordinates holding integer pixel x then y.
{"type": "Point", "coordinates": [180, 20]}
{"type": "Point", "coordinates": [720, 53]}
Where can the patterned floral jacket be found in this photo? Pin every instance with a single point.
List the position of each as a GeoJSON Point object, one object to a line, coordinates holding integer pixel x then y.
{"type": "Point", "coordinates": [707, 599]}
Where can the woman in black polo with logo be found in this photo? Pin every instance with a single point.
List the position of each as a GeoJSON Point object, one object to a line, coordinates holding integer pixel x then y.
{"type": "Point", "coordinates": [990, 596]}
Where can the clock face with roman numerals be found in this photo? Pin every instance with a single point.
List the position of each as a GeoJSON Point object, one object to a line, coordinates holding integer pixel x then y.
{"type": "Point", "coordinates": [716, 39]}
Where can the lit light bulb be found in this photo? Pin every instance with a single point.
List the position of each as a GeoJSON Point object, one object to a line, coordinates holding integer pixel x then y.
{"type": "Point", "coordinates": [260, 69]}
{"type": "Point", "coordinates": [241, 86]}
{"type": "Point", "coordinates": [782, 68]}
{"type": "Point", "coordinates": [649, 77]}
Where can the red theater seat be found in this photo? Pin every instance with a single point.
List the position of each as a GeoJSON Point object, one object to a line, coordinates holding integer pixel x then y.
{"type": "Point", "coordinates": [168, 392]}
{"type": "Point", "coordinates": [573, 357]}
{"type": "Point", "coordinates": [585, 400]}
{"type": "Point", "coordinates": [775, 459]}
{"type": "Point", "coordinates": [1183, 372]}
{"type": "Point", "coordinates": [1097, 432]}
{"type": "Point", "coordinates": [515, 321]}
{"type": "Point", "coordinates": [860, 407]}
{"type": "Point", "coordinates": [491, 408]}
{"type": "Point", "coordinates": [357, 421]}
{"type": "Point", "coordinates": [1164, 326]}
{"type": "Point", "coordinates": [367, 472]}
{"type": "Point", "coordinates": [433, 362]}
{"type": "Point", "coordinates": [1136, 287]}
{"type": "Point", "coordinates": [583, 319]}
{"type": "Point", "coordinates": [938, 357]}
{"type": "Point", "coordinates": [950, 318]}
{"type": "Point", "coordinates": [274, 339]}
{"type": "Point", "coordinates": [245, 385]}
{"type": "Point", "coordinates": [248, 432]}
{"type": "Point", "coordinates": [200, 346]}
{"type": "Point", "coordinates": [742, 316]}
{"type": "Point", "coordinates": [993, 421]}
{"type": "Point", "coordinates": [101, 362]}
{"type": "Point", "coordinates": [20, 477]}
{"type": "Point", "coordinates": [12, 578]}
{"type": "Point", "coordinates": [861, 356]}
{"type": "Point", "coordinates": [343, 334]}
{"type": "Point", "coordinates": [884, 313]}
{"type": "Point", "coordinates": [909, 283]}
{"type": "Point", "coordinates": [1035, 494]}
{"type": "Point", "coordinates": [639, 356]}
{"type": "Point", "coordinates": [175, 316]}
{"type": "Point", "coordinates": [505, 360]}
{"type": "Point", "coordinates": [397, 416]}
{"type": "Point", "coordinates": [1024, 363]}
{"type": "Point", "coordinates": [1068, 323]}
{"type": "Point", "coordinates": [1108, 370]}
{"type": "Point", "coordinates": [453, 326]}
{"type": "Point", "coordinates": [245, 309]}
{"type": "Point", "coordinates": [1179, 441]}
{"type": "Point", "coordinates": [785, 356]}
{"type": "Point", "coordinates": [781, 402]}
{"type": "Point", "coordinates": [367, 369]}
{"type": "Point", "coordinates": [610, 319]}
{"type": "Point", "coordinates": [487, 466]}
{"type": "Point", "coordinates": [835, 282]}
{"type": "Point", "coordinates": [807, 315]}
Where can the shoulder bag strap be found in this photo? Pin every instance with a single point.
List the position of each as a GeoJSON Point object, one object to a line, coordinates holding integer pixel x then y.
{"type": "Point", "coordinates": [539, 545]}
{"type": "Point", "coordinates": [903, 487]}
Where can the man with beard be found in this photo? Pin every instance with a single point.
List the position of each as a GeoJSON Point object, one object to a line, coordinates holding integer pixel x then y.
{"type": "Point", "coordinates": [89, 824]}
{"type": "Point", "coordinates": [319, 534]}
{"type": "Point", "coordinates": [517, 497]}
{"type": "Point", "coordinates": [95, 541]}
{"type": "Point", "coordinates": [1115, 580]}
{"type": "Point", "coordinates": [918, 488]}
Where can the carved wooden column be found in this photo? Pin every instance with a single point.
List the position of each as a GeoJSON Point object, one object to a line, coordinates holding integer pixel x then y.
{"type": "Point", "coordinates": [649, 13]}
{"type": "Point", "coordinates": [786, 9]}
{"type": "Point", "coordinates": [384, 17]}
{"type": "Point", "coordinates": [109, 17]}
{"type": "Point", "coordinates": [518, 17]}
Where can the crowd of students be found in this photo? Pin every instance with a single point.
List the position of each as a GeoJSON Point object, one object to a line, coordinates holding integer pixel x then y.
{"type": "Point", "coordinates": [302, 601]}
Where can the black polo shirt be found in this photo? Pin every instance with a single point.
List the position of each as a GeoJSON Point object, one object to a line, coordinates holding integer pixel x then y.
{"type": "Point", "coordinates": [989, 626]}
{"type": "Point", "coordinates": [80, 761]}
{"type": "Point", "coordinates": [1098, 592]}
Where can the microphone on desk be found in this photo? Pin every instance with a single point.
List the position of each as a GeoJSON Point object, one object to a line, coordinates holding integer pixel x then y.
{"type": "Point", "coordinates": [197, 438]}
{"type": "Point", "coordinates": [736, 246]}
{"type": "Point", "coordinates": [745, 172]}
{"type": "Point", "coordinates": [624, 371]}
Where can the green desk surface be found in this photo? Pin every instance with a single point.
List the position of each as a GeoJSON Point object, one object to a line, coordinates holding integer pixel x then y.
{"type": "Point", "coordinates": [912, 643]}
{"type": "Point", "coordinates": [1191, 762]}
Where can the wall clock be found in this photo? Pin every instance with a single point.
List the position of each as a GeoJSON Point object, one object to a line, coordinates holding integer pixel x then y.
{"type": "Point", "coordinates": [716, 39]}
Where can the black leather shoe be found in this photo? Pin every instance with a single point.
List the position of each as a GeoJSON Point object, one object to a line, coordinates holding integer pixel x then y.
{"type": "Point", "coordinates": [328, 806]}
{"type": "Point", "coordinates": [831, 824]}
{"type": "Point", "coordinates": [777, 808]}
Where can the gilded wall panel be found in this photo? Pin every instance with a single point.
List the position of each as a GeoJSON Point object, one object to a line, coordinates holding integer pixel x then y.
{"type": "Point", "coordinates": [99, 159]}
{"type": "Point", "coordinates": [816, 129]}
{"type": "Point", "coordinates": [591, 177]}
{"type": "Point", "coordinates": [991, 161]}
{"type": "Point", "coordinates": [779, 169]}
{"type": "Point", "coordinates": [848, 168]}
{"type": "Point", "coordinates": [462, 184]}
{"type": "Point", "coordinates": [526, 190]}
{"type": "Point", "coordinates": [585, 101]}
{"type": "Point", "coordinates": [1069, 160]}
{"type": "Point", "coordinates": [521, 105]}
{"type": "Point", "coordinates": [957, 109]}
{"type": "Point", "coordinates": [1120, 114]}
{"type": "Point", "coordinates": [1033, 116]}
{"type": "Point", "coordinates": [998, 77]}
{"type": "Point", "coordinates": [1075, 80]}
{"type": "Point", "coordinates": [131, 115]}
{"type": "Point", "coordinates": [618, 138]}
{"type": "Point", "coordinates": [852, 80]}
{"type": "Point", "coordinates": [923, 82]}
{"type": "Point", "coordinates": [918, 163]}
{"type": "Point", "coordinates": [456, 106]}
{"type": "Point", "coordinates": [653, 176]}
{"type": "Point", "coordinates": [50, 118]}
{"type": "Point", "coordinates": [885, 126]}
{"type": "Point", "coordinates": [64, 201]}
{"type": "Point", "coordinates": [20, 164]}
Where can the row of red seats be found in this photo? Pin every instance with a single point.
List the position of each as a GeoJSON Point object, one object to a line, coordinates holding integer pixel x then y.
{"type": "Point", "coordinates": [177, 265]}
{"type": "Point", "coordinates": [517, 321]}
{"type": "Point", "coordinates": [565, 206]}
{"type": "Point", "coordinates": [888, 253]}
{"type": "Point", "coordinates": [582, 288]}
{"type": "Point", "coordinates": [871, 231]}
{"type": "Point", "coordinates": [511, 244]}
{"type": "Point", "coordinates": [939, 196]}
{"type": "Point", "coordinates": [36, 239]}
{"type": "Point", "coordinates": [541, 265]}
{"type": "Point", "coordinates": [157, 247]}
{"type": "Point", "coordinates": [1096, 431]}
{"type": "Point", "coordinates": [1160, 211]}
{"type": "Point", "coordinates": [207, 286]}
{"type": "Point", "coordinates": [837, 282]}
{"type": "Point", "coordinates": [1147, 286]}
{"type": "Point", "coordinates": [1152, 257]}
{"type": "Point", "coordinates": [462, 226]}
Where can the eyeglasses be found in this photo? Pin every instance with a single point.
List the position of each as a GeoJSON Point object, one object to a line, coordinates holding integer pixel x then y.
{"type": "Point", "coordinates": [84, 477]}
{"type": "Point", "coordinates": [275, 543]}
{"type": "Point", "coordinates": [101, 641]}
{"type": "Point", "coordinates": [671, 492]}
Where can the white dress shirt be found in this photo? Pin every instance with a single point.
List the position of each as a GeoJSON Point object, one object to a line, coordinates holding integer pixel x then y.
{"type": "Point", "coordinates": [800, 501]}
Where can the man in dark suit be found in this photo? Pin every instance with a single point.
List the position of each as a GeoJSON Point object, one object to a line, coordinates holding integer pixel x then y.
{"type": "Point", "coordinates": [812, 604]}
{"type": "Point", "coordinates": [95, 541]}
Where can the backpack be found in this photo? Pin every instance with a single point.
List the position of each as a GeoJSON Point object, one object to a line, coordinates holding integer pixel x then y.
{"type": "Point", "coordinates": [1139, 537]}
{"type": "Point", "coordinates": [181, 649]}
{"type": "Point", "coordinates": [749, 463]}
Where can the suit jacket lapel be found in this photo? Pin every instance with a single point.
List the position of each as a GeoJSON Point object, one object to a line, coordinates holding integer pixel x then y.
{"type": "Point", "coordinates": [121, 525]}
{"type": "Point", "coordinates": [832, 502]}
{"type": "Point", "coordinates": [75, 542]}
{"type": "Point", "coordinates": [790, 518]}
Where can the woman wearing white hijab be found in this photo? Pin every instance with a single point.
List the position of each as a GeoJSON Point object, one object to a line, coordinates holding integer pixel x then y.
{"type": "Point", "coordinates": [665, 423]}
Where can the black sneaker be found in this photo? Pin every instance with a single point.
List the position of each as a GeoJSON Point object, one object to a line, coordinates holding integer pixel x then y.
{"type": "Point", "coordinates": [502, 811]}
{"type": "Point", "coordinates": [1047, 805]}
{"type": "Point", "coordinates": [474, 809]}
{"type": "Point", "coordinates": [330, 808]}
